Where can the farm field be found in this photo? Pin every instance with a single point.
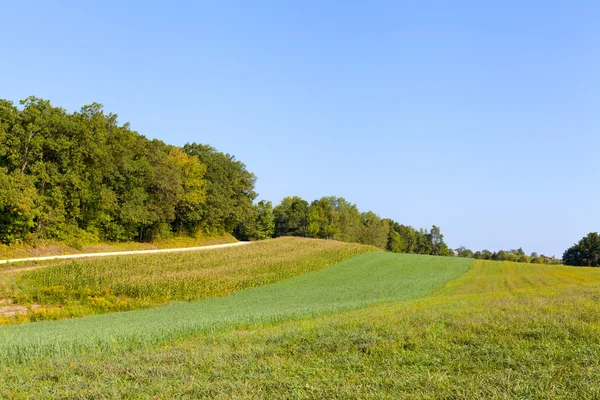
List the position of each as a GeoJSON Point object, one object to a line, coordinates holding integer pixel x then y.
{"type": "Point", "coordinates": [499, 330]}
{"type": "Point", "coordinates": [67, 289]}
{"type": "Point", "coordinates": [358, 282]}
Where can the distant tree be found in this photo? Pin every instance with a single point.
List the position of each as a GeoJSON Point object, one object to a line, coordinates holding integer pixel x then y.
{"type": "Point", "coordinates": [291, 217]}
{"type": "Point", "coordinates": [501, 256]}
{"type": "Point", "coordinates": [534, 254]}
{"type": "Point", "coordinates": [394, 242]}
{"type": "Point", "coordinates": [464, 252]}
{"type": "Point", "coordinates": [408, 238]}
{"type": "Point", "coordinates": [438, 247]}
{"type": "Point", "coordinates": [477, 255]}
{"type": "Point", "coordinates": [17, 202]}
{"type": "Point", "coordinates": [374, 230]}
{"type": "Point", "coordinates": [229, 188]}
{"type": "Point", "coordinates": [423, 244]}
{"type": "Point", "coordinates": [260, 223]}
{"type": "Point", "coordinates": [486, 254]}
{"type": "Point", "coordinates": [323, 220]}
{"type": "Point", "coordinates": [584, 253]}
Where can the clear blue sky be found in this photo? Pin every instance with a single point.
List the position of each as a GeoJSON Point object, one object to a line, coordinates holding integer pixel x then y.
{"type": "Point", "coordinates": [481, 117]}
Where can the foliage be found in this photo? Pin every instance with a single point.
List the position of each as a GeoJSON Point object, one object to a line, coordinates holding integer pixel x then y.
{"type": "Point", "coordinates": [585, 253]}
{"type": "Point", "coordinates": [82, 175]}
{"type": "Point", "coordinates": [291, 217]}
{"type": "Point", "coordinates": [260, 224]}
{"type": "Point", "coordinates": [464, 252]}
{"type": "Point", "coordinates": [229, 189]}
{"type": "Point", "coordinates": [336, 218]}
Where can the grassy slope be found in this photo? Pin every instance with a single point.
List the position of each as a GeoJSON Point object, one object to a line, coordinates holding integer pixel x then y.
{"type": "Point", "coordinates": [93, 286]}
{"type": "Point", "coordinates": [358, 282]}
{"type": "Point", "coordinates": [501, 330]}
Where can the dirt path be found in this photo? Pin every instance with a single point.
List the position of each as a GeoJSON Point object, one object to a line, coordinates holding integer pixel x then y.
{"type": "Point", "coordinates": [111, 254]}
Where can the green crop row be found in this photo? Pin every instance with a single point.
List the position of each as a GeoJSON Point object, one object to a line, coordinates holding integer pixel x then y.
{"type": "Point", "coordinates": [358, 282]}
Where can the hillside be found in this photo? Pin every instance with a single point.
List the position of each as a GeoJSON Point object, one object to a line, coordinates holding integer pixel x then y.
{"type": "Point", "coordinates": [500, 330]}
{"type": "Point", "coordinates": [66, 289]}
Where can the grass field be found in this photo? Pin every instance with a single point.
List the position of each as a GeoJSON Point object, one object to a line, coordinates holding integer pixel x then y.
{"type": "Point", "coordinates": [501, 330]}
{"type": "Point", "coordinates": [93, 286]}
{"type": "Point", "coordinates": [358, 282]}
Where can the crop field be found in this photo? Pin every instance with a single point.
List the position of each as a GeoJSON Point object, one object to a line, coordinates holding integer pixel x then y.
{"type": "Point", "coordinates": [358, 282]}
{"type": "Point", "coordinates": [68, 289]}
{"type": "Point", "coordinates": [499, 330]}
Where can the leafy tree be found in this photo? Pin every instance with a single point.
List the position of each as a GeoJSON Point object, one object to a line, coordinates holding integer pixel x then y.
{"type": "Point", "coordinates": [17, 200]}
{"type": "Point", "coordinates": [229, 189]}
{"type": "Point", "coordinates": [584, 253]}
{"type": "Point", "coordinates": [291, 217]}
{"type": "Point", "coordinates": [486, 255]}
{"type": "Point", "coordinates": [464, 252]}
{"type": "Point", "coordinates": [323, 219]}
{"type": "Point", "coordinates": [260, 223]}
{"type": "Point", "coordinates": [424, 245]}
{"type": "Point", "coordinates": [374, 230]}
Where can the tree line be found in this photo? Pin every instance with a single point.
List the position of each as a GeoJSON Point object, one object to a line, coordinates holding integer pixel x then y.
{"type": "Point", "coordinates": [82, 175]}
{"type": "Point", "coordinates": [336, 218]}
{"type": "Point", "coordinates": [514, 255]}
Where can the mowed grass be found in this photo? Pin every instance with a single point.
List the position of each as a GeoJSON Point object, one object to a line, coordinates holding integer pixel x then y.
{"type": "Point", "coordinates": [93, 286]}
{"type": "Point", "coordinates": [358, 282]}
{"type": "Point", "coordinates": [501, 330]}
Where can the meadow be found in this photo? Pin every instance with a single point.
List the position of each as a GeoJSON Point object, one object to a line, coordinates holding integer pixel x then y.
{"type": "Point", "coordinates": [500, 330]}
{"type": "Point", "coordinates": [66, 289]}
{"type": "Point", "coordinates": [358, 282]}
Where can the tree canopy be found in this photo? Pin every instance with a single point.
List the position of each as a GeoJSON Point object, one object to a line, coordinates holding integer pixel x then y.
{"type": "Point", "coordinates": [65, 175]}
{"type": "Point", "coordinates": [83, 175]}
{"type": "Point", "coordinates": [584, 253]}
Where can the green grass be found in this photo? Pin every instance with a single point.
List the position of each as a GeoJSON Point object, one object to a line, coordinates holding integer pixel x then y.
{"type": "Point", "coordinates": [358, 282]}
{"type": "Point", "coordinates": [69, 289]}
{"type": "Point", "coordinates": [502, 330]}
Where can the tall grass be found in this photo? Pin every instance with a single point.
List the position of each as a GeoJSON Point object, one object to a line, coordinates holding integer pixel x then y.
{"type": "Point", "coordinates": [358, 282]}
{"type": "Point", "coordinates": [78, 288]}
{"type": "Point", "coordinates": [501, 330]}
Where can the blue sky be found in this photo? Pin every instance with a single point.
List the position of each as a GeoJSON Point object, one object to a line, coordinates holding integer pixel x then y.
{"type": "Point", "coordinates": [480, 117]}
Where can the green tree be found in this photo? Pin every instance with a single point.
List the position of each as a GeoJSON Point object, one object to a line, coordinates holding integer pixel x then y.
{"type": "Point", "coordinates": [584, 253]}
{"type": "Point", "coordinates": [229, 189]}
{"type": "Point", "coordinates": [260, 223]}
{"type": "Point", "coordinates": [500, 256]}
{"type": "Point", "coordinates": [464, 252]}
{"type": "Point", "coordinates": [438, 247]}
{"type": "Point", "coordinates": [323, 219]}
{"type": "Point", "coordinates": [291, 217]}
{"type": "Point", "coordinates": [374, 230]}
{"type": "Point", "coordinates": [17, 200]}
